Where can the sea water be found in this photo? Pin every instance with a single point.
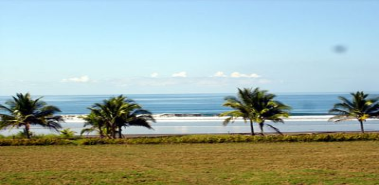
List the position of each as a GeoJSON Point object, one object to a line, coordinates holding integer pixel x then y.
{"type": "Point", "coordinates": [207, 105]}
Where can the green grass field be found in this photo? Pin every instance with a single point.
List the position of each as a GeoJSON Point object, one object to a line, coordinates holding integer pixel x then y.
{"type": "Point", "coordinates": [228, 163]}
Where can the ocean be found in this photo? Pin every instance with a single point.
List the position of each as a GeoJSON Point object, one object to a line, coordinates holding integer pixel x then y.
{"type": "Point", "coordinates": [206, 104]}
{"type": "Point", "coordinates": [314, 107]}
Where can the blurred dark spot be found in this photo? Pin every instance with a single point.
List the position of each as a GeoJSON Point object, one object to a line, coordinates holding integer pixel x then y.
{"type": "Point", "coordinates": [339, 49]}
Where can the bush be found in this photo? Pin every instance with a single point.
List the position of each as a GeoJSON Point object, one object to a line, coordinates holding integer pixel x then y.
{"type": "Point", "coordinates": [254, 139]}
{"type": "Point", "coordinates": [21, 135]}
{"type": "Point", "coordinates": [46, 136]}
{"type": "Point", "coordinates": [67, 133]}
{"type": "Point", "coordinates": [28, 142]}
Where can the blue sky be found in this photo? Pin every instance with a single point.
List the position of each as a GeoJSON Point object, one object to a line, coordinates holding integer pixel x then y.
{"type": "Point", "coordinates": [129, 47]}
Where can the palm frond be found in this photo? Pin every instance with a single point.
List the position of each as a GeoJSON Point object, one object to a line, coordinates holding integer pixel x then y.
{"type": "Point", "coordinates": [339, 111]}
{"type": "Point", "coordinates": [228, 120]}
{"type": "Point", "coordinates": [87, 130]}
{"type": "Point", "coordinates": [274, 128]}
{"type": "Point", "coordinates": [4, 108]}
{"type": "Point", "coordinates": [141, 123]}
{"type": "Point", "coordinates": [339, 118]}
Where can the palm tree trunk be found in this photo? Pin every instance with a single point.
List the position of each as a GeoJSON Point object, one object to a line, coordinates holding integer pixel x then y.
{"type": "Point", "coordinates": [101, 132]}
{"type": "Point", "coordinates": [251, 127]}
{"type": "Point", "coordinates": [27, 128]}
{"type": "Point", "coordinates": [113, 132]}
{"type": "Point", "coordinates": [361, 122]}
{"type": "Point", "coordinates": [261, 127]}
{"type": "Point", "coordinates": [108, 130]}
{"type": "Point", "coordinates": [120, 132]}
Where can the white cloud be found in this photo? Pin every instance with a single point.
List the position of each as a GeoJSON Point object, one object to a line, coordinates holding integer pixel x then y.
{"type": "Point", "coordinates": [182, 74]}
{"type": "Point", "coordinates": [154, 75]}
{"type": "Point", "coordinates": [194, 81]}
{"type": "Point", "coordinates": [240, 75]}
{"type": "Point", "coordinates": [254, 75]}
{"type": "Point", "coordinates": [82, 79]}
{"type": "Point", "coordinates": [219, 74]}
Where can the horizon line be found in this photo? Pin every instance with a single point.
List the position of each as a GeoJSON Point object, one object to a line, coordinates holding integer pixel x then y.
{"type": "Point", "coordinates": [278, 93]}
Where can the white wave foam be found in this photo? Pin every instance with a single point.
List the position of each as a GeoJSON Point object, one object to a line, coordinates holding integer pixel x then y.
{"type": "Point", "coordinates": [76, 118]}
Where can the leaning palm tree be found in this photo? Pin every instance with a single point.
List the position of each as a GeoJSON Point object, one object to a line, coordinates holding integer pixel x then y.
{"type": "Point", "coordinates": [118, 112]}
{"type": "Point", "coordinates": [23, 111]}
{"type": "Point", "coordinates": [360, 108]}
{"type": "Point", "coordinates": [255, 106]}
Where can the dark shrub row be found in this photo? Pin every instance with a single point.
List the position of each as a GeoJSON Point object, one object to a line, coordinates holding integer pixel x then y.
{"type": "Point", "coordinates": [196, 139]}
{"type": "Point", "coordinates": [27, 142]}
{"type": "Point", "coordinates": [246, 138]}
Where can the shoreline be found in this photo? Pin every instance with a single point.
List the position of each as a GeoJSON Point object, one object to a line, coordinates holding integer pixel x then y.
{"type": "Point", "coordinates": [188, 117]}
{"type": "Point", "coordinates": [256, 134]}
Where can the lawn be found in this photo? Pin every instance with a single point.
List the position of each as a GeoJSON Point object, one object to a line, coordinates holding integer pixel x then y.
{"type": "Point", "coordinates": [225, 163]}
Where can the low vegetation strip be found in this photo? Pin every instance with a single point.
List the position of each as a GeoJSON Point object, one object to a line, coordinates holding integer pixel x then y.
{"type": "Point", "coordinates": [194, 139]}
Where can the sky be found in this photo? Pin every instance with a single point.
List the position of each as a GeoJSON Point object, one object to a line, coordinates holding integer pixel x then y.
{"type": "Point", "coordinates": [77, 47]}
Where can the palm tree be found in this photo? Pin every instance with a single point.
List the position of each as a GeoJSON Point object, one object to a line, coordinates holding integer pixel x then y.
{"type": "Point", "coordinates": [257, 106]}
{"type": "Point", "coordinates": [23, 111]}
{"type": "Point", "coordinates": [118, 112]}
{"type": "Point", "coordinates": [106, 114]}
{"type": "Point", "coordinates": [361, 108]}
{"type": "Point", "coordinates": [96, 122]}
